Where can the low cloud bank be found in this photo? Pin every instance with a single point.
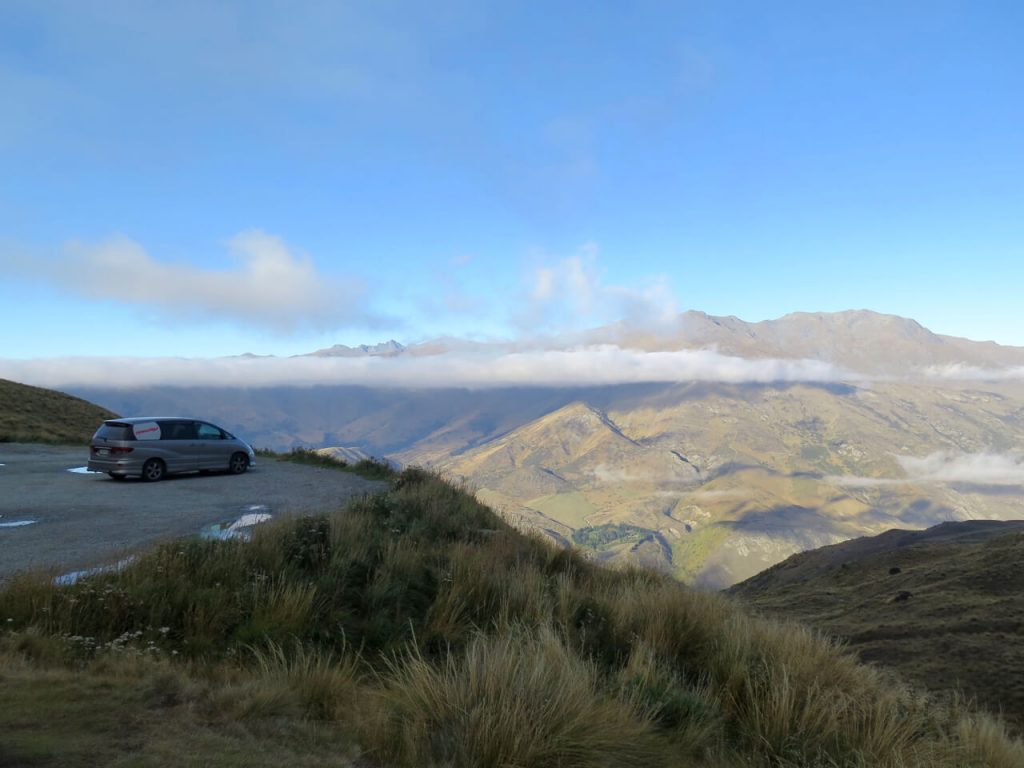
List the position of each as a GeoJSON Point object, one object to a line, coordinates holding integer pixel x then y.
{"type": "Point", "coordinates": [949, 468]}
{"type": "Point", "coordinates": [598, 365]}
{"type": "Point", "coordinates": [964, 372]}
{"type": "Point", "coordinates": [974, 468]}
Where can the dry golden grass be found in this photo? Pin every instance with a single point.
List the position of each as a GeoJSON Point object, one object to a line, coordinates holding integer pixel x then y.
{"type": "Point", "coordinates": [36, 415]}
{"type": "Point", "coordinates": [517, 698]}
{"type": "Point", "coordinates": [420, 630]}
{"type": "Point", "coordinates": [957, 630]}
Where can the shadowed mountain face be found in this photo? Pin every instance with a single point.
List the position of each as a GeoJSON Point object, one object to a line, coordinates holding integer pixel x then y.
{"type": "Point", "coordinates": [710, 481]}
{"type": "Point", "coordinates": [944, 606]}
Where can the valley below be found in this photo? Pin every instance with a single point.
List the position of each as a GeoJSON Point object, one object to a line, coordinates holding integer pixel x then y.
{"type": "Point", "coordinates": [755, 441]}
{"type": "Point", "coordinates": [712, 482]}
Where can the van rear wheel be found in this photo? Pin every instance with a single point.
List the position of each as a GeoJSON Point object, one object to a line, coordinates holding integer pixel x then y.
{"type": "Point", "coordinates": [153, 470]}
{"type": "Point", "coordinates": [238, 464]}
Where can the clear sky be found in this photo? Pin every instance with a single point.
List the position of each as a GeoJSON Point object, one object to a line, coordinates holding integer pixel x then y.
{"type": "Point", "coordinates": [210, 178]}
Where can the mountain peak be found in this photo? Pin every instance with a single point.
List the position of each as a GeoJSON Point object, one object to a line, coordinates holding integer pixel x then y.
{"type": "Point", "coordinates": [388, 348]}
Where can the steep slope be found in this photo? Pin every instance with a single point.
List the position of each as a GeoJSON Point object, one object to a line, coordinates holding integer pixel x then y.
{"type": "Point", "coordinates": [735, 478]}
{"type": "Point", "coordinates": [36, 415]}
{"type": "Point", "coordinates": [577, 445]}
{"type": "Point", "coordinates": [554, 473]}
{"type": "Point", "coordinates": [945, 606]}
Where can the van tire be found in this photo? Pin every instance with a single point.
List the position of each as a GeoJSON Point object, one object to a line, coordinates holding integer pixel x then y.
{"type": "Point", "coordinates": [239, 463]}
{"type": "Point", "coordinates": [153, 470]}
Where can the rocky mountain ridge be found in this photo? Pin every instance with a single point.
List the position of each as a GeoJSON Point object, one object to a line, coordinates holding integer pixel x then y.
{"type": "Point", "coordinates": [858, 341]}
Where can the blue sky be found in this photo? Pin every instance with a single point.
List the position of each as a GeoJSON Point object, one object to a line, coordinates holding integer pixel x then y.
{"type": "Point", "coordinates": [214, 178]}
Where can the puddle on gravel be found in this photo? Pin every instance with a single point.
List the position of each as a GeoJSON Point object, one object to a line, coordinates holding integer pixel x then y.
{"type": "Point", "coordinates": [73, 577]}
{"type": "Point", "coordinates": [239, 528]}
{"type": "Point", "coordinates": [84, 471]}
{"type": "Point", "coordinates": [16, 523]}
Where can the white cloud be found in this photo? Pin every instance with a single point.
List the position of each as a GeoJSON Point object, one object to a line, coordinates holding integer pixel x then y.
{"type": "Point", "coordinates": [855, 481]}
{"type": "Point", "coordinates": [977, 468]}
{"type": "Point", "coordinates": [572, 295]}
{"type": "Point", "coordinates": [543, 284]}
{"type": "Point", "coordinates": [947, 467]}
{"type": "Point", "coordinates": [720, 494]}
{"type": "Point", "coordinates": [610, 474]}
{"type": "Point", "coordinates": [964, 372]}
{"type": "Point", "coordinates": [598, 365]}
{"type": "Point", "coordinates": [272, 286]}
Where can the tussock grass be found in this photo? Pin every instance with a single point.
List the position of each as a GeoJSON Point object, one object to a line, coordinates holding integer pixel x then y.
{"type": "Point", "coordinates": [434, 634]}
{"type": "Point", "coordinates": [36, 415]}
{"type": "Point", "coordinates": [518, 698]}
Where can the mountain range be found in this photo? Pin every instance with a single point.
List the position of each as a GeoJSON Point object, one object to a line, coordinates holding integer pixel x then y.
{"type": "Point", "coordinates": [711, 481]}
{"type": "Point", "coordinates": [858, 341]}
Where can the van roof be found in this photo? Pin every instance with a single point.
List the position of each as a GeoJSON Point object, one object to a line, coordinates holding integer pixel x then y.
{"type": "Point", "coordinates": [140, 419]}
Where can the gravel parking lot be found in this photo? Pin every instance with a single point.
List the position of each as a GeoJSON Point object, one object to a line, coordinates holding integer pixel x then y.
{"type": "Point", "coordinates": [51, 517]}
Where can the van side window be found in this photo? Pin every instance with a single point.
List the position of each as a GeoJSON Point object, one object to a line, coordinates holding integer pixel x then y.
{"type": "Point", "coordinates": [178, 430]}
{"type": "Point", "coordinates": [209, 432]}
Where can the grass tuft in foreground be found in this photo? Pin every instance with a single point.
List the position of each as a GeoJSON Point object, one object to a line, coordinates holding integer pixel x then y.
{"type": "Point", "coordinates": [416, 628]}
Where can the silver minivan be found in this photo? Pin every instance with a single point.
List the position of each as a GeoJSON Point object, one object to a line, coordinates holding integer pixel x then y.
{"type": "Point", "coordinates": [152, 447]}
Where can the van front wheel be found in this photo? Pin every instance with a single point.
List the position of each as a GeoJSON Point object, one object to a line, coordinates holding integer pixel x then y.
{"type": "Point", "coordinates": [238, 464]}
{"type": "Point", "coordinates": [153, 470]}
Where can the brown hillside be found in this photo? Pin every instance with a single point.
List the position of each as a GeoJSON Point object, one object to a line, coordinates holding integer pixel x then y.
{"type": "Point", "coordinates": [944, 607]}
{"type": "Point", "coordinates": [37, 415]}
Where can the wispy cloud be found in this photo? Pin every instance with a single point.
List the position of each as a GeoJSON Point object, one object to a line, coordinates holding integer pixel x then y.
{"type": "Point", "coordinates": [964, 372]}
{"type": "Point", "coordinates": [584, 366]}
{"type": "Point", "coordinates": [948, 468]}
{"type": "Point", "coordinates": [610, 474]}
{"type": "Point", "coordinates": [856, 481]}
{"type": "Point", "coordinates": [571, 294]}
{"type": "Point", "coordinates": [975, 468]}
{"type": "Point", "coordinates": [271, 285]}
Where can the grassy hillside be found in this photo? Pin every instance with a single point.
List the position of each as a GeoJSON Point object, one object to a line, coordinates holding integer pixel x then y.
{"type": "Point", "coordinates": [416, 628]}
{"type": "Point", "coordinates": [735, 478]}
{"type": "Point", "coordinates": [944, 606]}
{"type": "Point", "coordinates": [36, 415]}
